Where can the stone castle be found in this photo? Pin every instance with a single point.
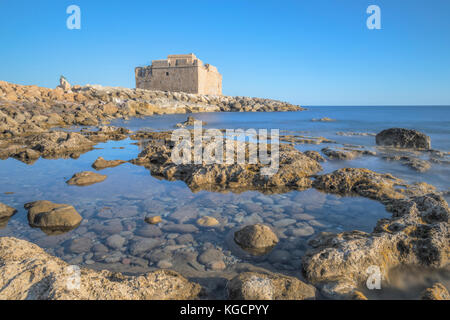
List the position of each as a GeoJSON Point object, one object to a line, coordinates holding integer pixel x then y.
{"type": "Point", "coordinates": [180, 72]}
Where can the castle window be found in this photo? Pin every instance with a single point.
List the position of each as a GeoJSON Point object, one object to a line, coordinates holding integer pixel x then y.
{"type": "Point", "coordinates": [167, 73]}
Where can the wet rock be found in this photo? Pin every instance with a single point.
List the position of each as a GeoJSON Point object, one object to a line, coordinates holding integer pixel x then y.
{"type": "Point", "coordinates": [207, 221]}
{"type": "Point", "coordinates": [260, 286]}
{"type": "Point", "coordinates": [315, 155]}
{"type": "Point", "coordinates": [6, 211]}
{"type": "Point", "coordinates": [184, 238]}
{"type": "Point", "coordinates": [149, 231]}
{"type": "Point", "coordinates": [189, 122]}
{"type": "Point", "coordinates": [86, 178]}
{"type": "Point", "coordinates": [284, 223]}
{"type": "Point", "coordinates": [26, 267]}
{"type": "Point", "coordinates": [304, 231]}
{"type": "Point", "coordinates": [324, 119]}
{"type": "Point", "coordinates": [339, 154]}
{"type": "Point", "coordinates": [403, 138]}
{"type": "Point", "coordinates": [142, 246]}
{"type": "Point", "coordinates": [210, 255]}
{"type": "Point", "coordinates": [180, 228]}
{"type": "Point", "coordinates": [115, 241]}
{"type": "Point", "coordinates": [257, 238]}
{"type": "Point", "coordinates": [437, 292]}
{"type": "Point", "coordinates": [48, 215]}
{"type": "Point", "coordinates": [80, 245]}
{"type": "Point", "coordinates": [101, 163]}
{"type": "Point", "coordinates": [164, 264]}
{"type": "Point", "coordinates": [153, 219]}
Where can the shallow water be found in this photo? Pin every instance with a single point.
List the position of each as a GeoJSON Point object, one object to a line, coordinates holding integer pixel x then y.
{"type": "Point", "coordinates": [119, 205]}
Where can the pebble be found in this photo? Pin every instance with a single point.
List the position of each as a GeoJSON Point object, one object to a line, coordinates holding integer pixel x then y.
{"type": "Point", "coordinates": [153, 219]}
{"type": "Point", "coordinates": [207, 221]}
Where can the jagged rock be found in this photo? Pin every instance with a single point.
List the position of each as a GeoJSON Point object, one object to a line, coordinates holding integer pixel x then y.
{"type": "Point", "coordinates": [270, 286]}
{"type": "Point", "coordinates": [403, 138]}
{"type": "Point", "coordinates": [28, 272]}
{"type": "Point", "coordinates": [48, 215]}
{"type": "Point", "coordinates": [101, 163]}
{"type": "Point", "coordinates": [315, 155]}
{"type": "Point", "coordinates": [86, 178]}
{"type": "Point", "coordinates": [256, 238]}
{"type": "Point", "coordinates": [64, 84]}
{"type": "Point", "coordinates": [437, 292]}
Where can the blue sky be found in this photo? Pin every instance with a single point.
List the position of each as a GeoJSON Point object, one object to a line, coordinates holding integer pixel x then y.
{"type": "Point", "coordinates": [315, 52]}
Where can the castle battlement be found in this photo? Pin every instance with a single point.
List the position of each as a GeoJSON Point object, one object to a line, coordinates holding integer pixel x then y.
{"type": "Point", "coordinates": [180, 72]}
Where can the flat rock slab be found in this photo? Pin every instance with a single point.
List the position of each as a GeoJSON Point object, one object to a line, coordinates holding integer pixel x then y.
{"type": "Point", "coordinates": [86, 178]}
{"type": "Point", "coordinates": [28, 272]}
{"type": "Point", "coordinates": [101, 163]}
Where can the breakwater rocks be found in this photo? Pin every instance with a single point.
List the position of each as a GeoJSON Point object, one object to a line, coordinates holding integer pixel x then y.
{"type": "Point", "coordinates": [416, 234]}
{"type": "Point", "coordinates": [28, 272]}
{"type": "Point", "coordinates": [33, 109]}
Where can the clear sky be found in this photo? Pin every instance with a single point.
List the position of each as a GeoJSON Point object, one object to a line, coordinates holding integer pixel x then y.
{"type": "Point", "coordinates": [315, 52]}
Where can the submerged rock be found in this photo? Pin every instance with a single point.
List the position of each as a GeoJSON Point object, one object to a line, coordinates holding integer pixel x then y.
{"type": "Point", "coordinates": [101, 163]}
{"type": "Point", "coordinates": [153, 219]}
{"type": "Point", "coordinates": [207, 221]}
{"type": "Point", "coordinates": [28, 272]}
{"type": "Point", "coordinates": [403, 138]}
{"type": "Point", "coordinates": [86, 178]}
{"type": "Point", "coordinates": [256, 238]}
{"type": "Point", "coordinates": [270, 286]}
{"type": "Point", "coordinates": [53, 216]}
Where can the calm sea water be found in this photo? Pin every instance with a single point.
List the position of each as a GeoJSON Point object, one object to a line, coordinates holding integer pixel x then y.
{"type": "Point", "coordinates": [119, 205]}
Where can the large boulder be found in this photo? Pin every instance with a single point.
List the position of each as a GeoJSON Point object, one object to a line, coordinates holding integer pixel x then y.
{"type": "Point", "coordinates": [403, 138]}
{"type": "Point", "coordinates": [257, 238]}
{"type": "Point", "coordinates": [28, 272]}
{"type": "Point", "coordinates": [261, 286]}
{"type": "Point", "coordinates": [49, 215]}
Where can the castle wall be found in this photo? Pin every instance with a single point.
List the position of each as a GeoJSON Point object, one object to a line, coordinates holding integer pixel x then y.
{"type": "Point", "coordinates": [183, 73]}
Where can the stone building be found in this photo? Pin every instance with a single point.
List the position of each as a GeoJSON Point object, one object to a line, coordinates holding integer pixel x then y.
{"type": "Point", "coordinates": [180, 72]}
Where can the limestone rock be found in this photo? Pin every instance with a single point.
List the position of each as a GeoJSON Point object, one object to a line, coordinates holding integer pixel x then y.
{"type": "Point", "coordinates": [256, 238]}
{"type": "Point", "coordinates": [403, 138]}
{"type": "Point", "coordinates": [437, 292]}
{"type": "Point", "coordinates": [6, 211]}
{"type": "Point", "coordinates": [101, 163]}
{"type": "Point", "coordinates": [46, 214]}
{"type": "Point", "coordinates": [260, 286]}
{"type": "Point", "coordinates": [86, 178]}
{"type": "Point", "coordinates": [28, 272]}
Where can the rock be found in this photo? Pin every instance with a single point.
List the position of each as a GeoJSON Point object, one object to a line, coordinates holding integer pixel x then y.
{"type": "Point", "coordinates": [180, 228]}
{"type": "Point", "coordinates": [339, 154]}
{"type": "Point", "coordinates": [164, 264]}
{"type": "Point", "coordinates": [437, 292]}
{"type": "Point", "coordinates": [189, 122]}
{"type": "Point", "coordinates": [216, 265]}
{"type": "Point", "coordinates": [149, 231]}
{"type": "Point", "coordinates": [115, 241]}
{"type": "Point", "coordinates": [80, 245]}
{"type": "Point", "coordinates": [210, 255]}
{"type": "Point", "coordinates": [6, 211]}
{"type": "Point", "coordinates": [260, 286]}
{"type": "Point", "coordinates": [305, 231]}
{"type": "Point", "coordinates": [324, 119]}
{"type": "Point", "coordinates": [101, 163]}
{"type": "Point", "coordinates": [153, 219]}
{"type": "Point", "coordinates": [28, 272]}
{"type": "Point", "coordinates": [403, 138]}
{"type": "Point", "coordinates": [184, 238]}
{"type": "Point", "coordinates": [314, 155]}
{"type": "Point", "coordinates": [207, 221]}
{"type": "Point", "coordinates": [141, 246]}
{"type": "Point", "coordinates": [45, 214]}
{"type": "Point", "coordinates": [86, 178]}
{"type": "Point", "coordinates": [284, 223]}
{"type": "Point", "coordinates": [257, 238]}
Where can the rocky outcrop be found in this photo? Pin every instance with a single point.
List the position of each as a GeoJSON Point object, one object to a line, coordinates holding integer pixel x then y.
{"type": "Point", "coordinates": [86, 178]}
{"type": "Point", "coordinates": [416, 234]}
{"type": "Point", "coordinates": [256, 239]}
{"type": "Point", "coordinates": [437, 292]}
{"type": "Point", "coordinates": [268, 286]}
{"type": "Point", "coordinates": [101, 163]}
{"type": "Point", "coordinates": [293, 173]}
{"type": "Point", "coordinates": [189, 122]}
{"type": "Point", "coordinates": [6, 211]}
{"type": "Point", "coordinates": [52, 217]}
{"type": "Point", "coordinates": [27, 272]}
{"type": "Point", "coordinates": [315, 155]}
{"type": "Point", "coordinates": [403, 138]}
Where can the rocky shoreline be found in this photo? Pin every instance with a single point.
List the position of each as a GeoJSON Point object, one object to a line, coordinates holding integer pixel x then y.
{"type": "Point", "coordinates": [34, 123]}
